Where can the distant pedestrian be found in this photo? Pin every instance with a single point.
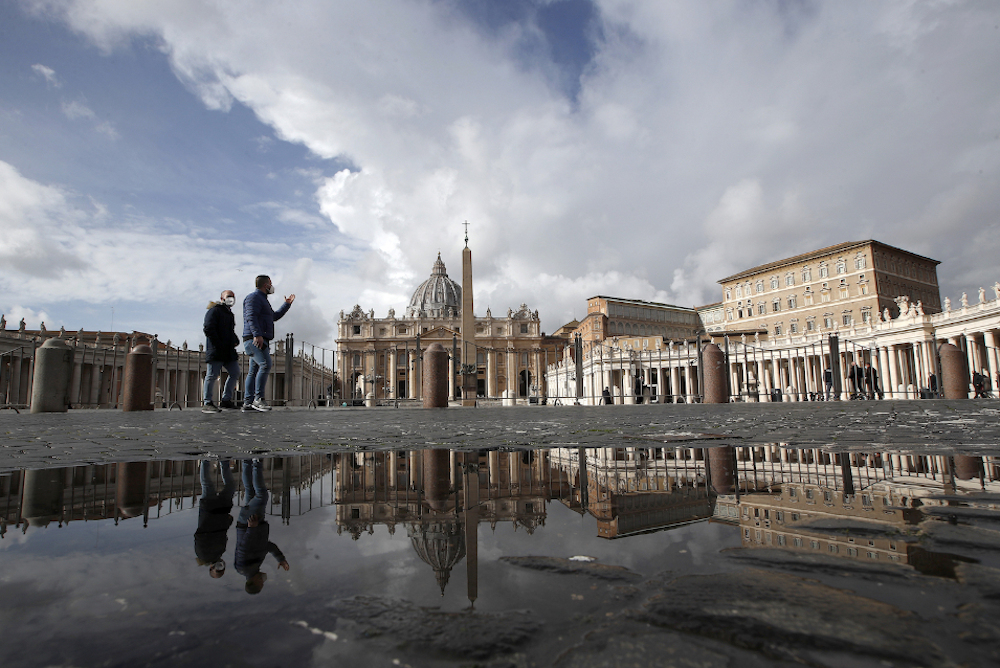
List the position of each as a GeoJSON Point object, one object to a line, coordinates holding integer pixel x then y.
{"type": "Point", "coordinates": [606, 396]}
{"type": "Point", "coordinates": [932, 384]}
{"type": "Point", "coordinates": [871, 382]}
{"type": "Point", "coordinates": [979, 385]}
{"type": "Point", "coordinates": [258, 330]}
{"type": "Point", "coordinates": [853, 376]}
{"type": "Point", "coordinates": [220, 351]}
{"type": "Point", "coordinates": [828, 382]}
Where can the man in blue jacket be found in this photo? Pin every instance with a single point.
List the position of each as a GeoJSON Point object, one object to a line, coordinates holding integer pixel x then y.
{"type": "Point", "coordinates": [258, 330]}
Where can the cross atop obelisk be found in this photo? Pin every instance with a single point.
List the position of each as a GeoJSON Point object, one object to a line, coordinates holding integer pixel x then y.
{"type": "Point", "coordinates": [466, 223]}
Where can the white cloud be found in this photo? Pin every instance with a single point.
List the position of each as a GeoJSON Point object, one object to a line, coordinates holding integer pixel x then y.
{"type": "Point", "coordinates": [76, 109]}
{"type": "Point", "coordinates": [48, 74]}
{"type": "Point", "coordinates": [706, 137]}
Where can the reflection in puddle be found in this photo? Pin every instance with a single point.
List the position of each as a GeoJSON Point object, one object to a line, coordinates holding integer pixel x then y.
{"type": "Point", "coordinates": [791, 511]}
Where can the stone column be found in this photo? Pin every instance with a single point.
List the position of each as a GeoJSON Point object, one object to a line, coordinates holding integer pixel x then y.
{"type": "Point", "coordinates": [451, 377]}
{"type": "Point", "coordinates": [392, 373]}
{"type": "Point", "coordinates": [491, 373]}
{"type": "Point", "coordinates": [972, 351]}
{"type": "Point", "coordinates": [675, 381]}
{"type": "Point", "coordinates": [990, 338]}
{"type": "Point", "coordinates": [893, 369]}
{"type": "Point", "coordinates": [411, 373]}
{"type": "Point", "coordinates": [689, 390]}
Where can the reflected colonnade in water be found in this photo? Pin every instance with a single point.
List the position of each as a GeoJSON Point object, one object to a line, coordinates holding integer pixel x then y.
{"type": "Point", "coordinates": [860, 505]}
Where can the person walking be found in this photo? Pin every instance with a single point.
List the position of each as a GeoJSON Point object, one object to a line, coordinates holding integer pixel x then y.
{"type": "Point", "coordinates": [871, 382]}
{"type": "Point", "coordinates": [828, 382]}
{"type": "Point", "coordinates": [258, 330]}
{"type": "Point", "coordinates": [220, 351]}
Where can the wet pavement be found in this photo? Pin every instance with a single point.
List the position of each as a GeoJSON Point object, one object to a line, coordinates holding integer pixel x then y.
{"type": "Point", "coordinates": [99, 436]}
{"type": "Point", "coordinates": [636, 554]}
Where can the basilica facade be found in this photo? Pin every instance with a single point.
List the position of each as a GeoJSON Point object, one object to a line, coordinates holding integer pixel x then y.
{"type": "Point", "coordinates": [380, 358]}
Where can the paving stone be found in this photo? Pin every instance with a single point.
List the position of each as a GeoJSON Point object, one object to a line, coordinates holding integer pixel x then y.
{"type": "Point", "coordinates": [84, 436]}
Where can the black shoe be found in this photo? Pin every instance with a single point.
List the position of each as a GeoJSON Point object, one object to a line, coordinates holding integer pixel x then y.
{"type": "Point", "coordinates": [248, 408]}
{"type": "Point", "coordinates": [226, 403]}
{"type": "Point", "coordinates": [210, 408]}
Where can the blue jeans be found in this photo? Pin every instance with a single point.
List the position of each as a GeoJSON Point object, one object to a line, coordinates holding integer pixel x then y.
{"type": "Point", "coordinates": [214, 371]}
{"type": "Point", "coordinates": [256, 491]}
{"type": "Point", "coordinates": [208, 491]}
{"type": "Point", "coordinates": [260, 366]}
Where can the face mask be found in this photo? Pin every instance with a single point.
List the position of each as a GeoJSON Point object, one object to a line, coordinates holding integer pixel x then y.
{"type": "Point", "coordinates": [270, 289]}
{"type": "Point", "coordinates": [229, 301]}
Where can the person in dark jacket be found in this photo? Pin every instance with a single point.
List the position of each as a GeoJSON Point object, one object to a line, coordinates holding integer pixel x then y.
{"type": "Point", "coordinates": [214, 518]}
{"type": "Point", "coordinates": [253, 531]}
{"type": "Point", "coordinates": [258, 330]}
{"type": "Point", "coordinates": [871, 382]}
{"type": "Point", "coordinates": [220, 351]}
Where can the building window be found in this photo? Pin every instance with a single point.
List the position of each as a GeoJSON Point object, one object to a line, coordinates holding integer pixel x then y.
{"type": "Point", "coordinates": [402, 330]}
{"type": "Point", "coordinates": [739, 292]}
{"type": "Point", "coordinates": [793, 301]}
{"type": "Point", "coordinates": [807, 274]}
{"type": "Point", "coordinates": [781, 539]}
{"type": "Point", "coordinates": [729, 314]}
{"type": "Point", "coordinates": [846, 319]}
{"type": "Point", "coordinates": [827, 322]}
{"type": "Point", "coordinates": [761, 308]}
{"type": "Point", "coordinates": [760, 286]}
{"type": "Point", "coordinates": [729, 295]}
{"type": "Point", "coordinates": [810, 325]}
{"type": "Point", "coordinates": [825, 296]}
{"type": "Point", "coordinates": [790, 279]}
{"type": "Point", "coordinates": [776, 305]}
{"type": "Point", "coordinates": [859, 262]}
{"type": "Point", "coordinates": [864, 288]}
{"type": "Point", "coordinates": [824, 271]}
{"type": "Point", "coordinates": [794, 327]}
{"type": "Point", "coordinates": [356, 329]}
{"type": "Point", "coordinates": [834, 549]}
{"type": "Point", "coordinates": [841, 267]}
{"type": "Point", "coordinates": [797, 542]}
{"type": "Point", "coordinates": [777, 330]}
{"type": "Point", "coordinates": [524, 328]}
{"type": "Point", "coordinates": [357, 359]}
{"type": "Point", "coordinates": [774, 283]}
{"type": "Point", "coordinates": [866, 316]}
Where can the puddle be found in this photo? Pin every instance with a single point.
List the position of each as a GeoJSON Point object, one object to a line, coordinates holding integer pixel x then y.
{"type": "Point", "coordinates": [565, 556]}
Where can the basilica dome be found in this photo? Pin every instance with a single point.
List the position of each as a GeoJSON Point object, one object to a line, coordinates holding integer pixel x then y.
{"type": "Point", "coordinates": [437, 297]}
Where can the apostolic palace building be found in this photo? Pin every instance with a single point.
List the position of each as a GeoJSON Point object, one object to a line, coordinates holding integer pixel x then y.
{"type": "Point", "coordinates": [784, 324]}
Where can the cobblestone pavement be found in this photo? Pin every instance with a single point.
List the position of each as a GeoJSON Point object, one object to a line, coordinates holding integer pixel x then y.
{"type": "Point", "coordinates": [100, 436]}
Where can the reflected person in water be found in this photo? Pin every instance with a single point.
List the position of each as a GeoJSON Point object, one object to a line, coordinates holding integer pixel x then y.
{"type": "Point", "coordinates": [214, 517]}
{"type": "Point", "coordinates": [252, 530]}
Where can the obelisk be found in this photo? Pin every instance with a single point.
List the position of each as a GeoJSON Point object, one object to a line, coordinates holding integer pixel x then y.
{"type": "Point", "coordinates": [468, 328]}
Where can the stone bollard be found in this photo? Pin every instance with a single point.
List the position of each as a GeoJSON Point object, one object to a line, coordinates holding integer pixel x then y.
{"type": "Point", "coordinates": [715, 375]}
{"type": "Point", "coordinates": [138, 384]}
{"type": "Point", "coordinates": [968, 468]}
{"type": "Point", "coordinates": [435, 384]}
{"type": "Point", "coordinates": [722, 465]}
{"type": "Point", "coordinates": [53, 373]}
{"type": "Point", "coordinates": [954, 372]}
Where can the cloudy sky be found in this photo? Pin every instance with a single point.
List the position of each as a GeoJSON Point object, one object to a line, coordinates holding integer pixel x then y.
{"type": "Point", "coordinates": [154, 153]}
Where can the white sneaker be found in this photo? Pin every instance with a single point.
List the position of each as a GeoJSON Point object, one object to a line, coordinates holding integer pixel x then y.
{"type": "Point", "coordinates": [260, 405]}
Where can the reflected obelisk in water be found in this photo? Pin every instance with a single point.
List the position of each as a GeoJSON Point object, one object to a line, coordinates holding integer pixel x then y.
{"type": "Point", "coordinates": [470, 493]}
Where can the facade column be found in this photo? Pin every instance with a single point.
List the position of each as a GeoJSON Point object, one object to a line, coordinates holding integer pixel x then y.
{"type": "Point", "coordinates": [451, 377]}
{"type": "Point", "coordinates": [411, 372]}
{"type": "Point", "coordinates": [972, 351]}
{"type": "Point", "coordinates": [893, 370]}
{"type": "Point", "coordinates": [675, 380]}
{"type": "Point", "coordinates": [689, 390]}
{"type": "Point", "coordinates": [491, 372]}
{"type": "Point", "coordinates": [990, 339]}
{"type": "Point", "coordinates": [883, 372]}
{"type": "Point", "coordinates": [392, 373]}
